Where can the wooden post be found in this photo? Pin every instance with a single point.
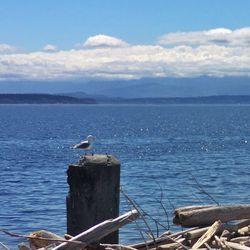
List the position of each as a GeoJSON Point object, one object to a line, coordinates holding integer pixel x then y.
{"type": "Point", "coordinates": [94, 193]}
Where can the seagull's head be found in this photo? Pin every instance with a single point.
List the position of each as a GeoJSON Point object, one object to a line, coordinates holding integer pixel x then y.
{"type": "Point", "coordinates": [90, 138]}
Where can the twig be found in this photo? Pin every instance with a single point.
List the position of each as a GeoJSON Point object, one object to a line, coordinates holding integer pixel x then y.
{"type": "Point", "coordinates": [137, 225]}
{"type": "Point", "coordinates": [136, 207]}
{"type": "Point", "coordinates": [164, 209]}
{"type": "Point", "coordinates": [157, 223]}
{"type": "Point", "coordinates": [203, 191]}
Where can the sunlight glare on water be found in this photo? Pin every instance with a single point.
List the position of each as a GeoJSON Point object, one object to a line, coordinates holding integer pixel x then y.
{"type": "Point", "coordinates": [163, 151]}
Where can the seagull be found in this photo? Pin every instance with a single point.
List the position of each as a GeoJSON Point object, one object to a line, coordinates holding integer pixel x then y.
{"type": "Point", "coordinates": [85, 144]}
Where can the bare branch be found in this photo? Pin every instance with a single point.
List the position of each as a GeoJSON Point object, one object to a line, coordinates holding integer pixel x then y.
{"type": "Point", "coordinates": [138, 210]}
{"type": "Point", "coordinates": [203, 191]}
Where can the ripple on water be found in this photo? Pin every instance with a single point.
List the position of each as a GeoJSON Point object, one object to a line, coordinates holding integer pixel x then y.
{"type": "Point", "coordinates": [168, 155]}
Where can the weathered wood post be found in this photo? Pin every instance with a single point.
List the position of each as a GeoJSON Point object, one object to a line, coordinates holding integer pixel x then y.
{"type": "Point", "coordinates": [94, 188]}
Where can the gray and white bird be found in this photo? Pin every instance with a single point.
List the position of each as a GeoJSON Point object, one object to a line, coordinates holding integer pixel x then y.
{"type": "Point", "coordinates": [86, 144]}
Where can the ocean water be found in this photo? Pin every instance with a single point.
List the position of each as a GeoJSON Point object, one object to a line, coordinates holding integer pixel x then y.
{"type": "Point", "coordinates": [171, 156]}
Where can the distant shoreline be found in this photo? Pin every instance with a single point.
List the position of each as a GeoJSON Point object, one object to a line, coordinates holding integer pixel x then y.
{"type": "Point", "coordinates": [67, 99]}
{"type": "Point", "coordinates": [43, 99]}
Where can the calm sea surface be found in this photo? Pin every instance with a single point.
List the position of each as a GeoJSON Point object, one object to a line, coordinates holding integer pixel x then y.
{"type": "Point", "coordinates": [169, 153]}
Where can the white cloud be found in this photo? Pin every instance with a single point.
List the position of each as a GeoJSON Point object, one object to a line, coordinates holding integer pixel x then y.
{"type": "Point", "coordinates": [7, 49]}
{"type": "Point", "coordinates": [50, 48]}
{"type": "Point", "coordinates": [220, 36]}
{"type": "Point", "coordinates": [131, 61]}
{"type": "Point", "coordinates": [103, 41]}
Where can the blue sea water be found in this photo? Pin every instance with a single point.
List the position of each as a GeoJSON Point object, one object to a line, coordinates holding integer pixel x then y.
{"type": "Point", "coordinates": [169, 153]}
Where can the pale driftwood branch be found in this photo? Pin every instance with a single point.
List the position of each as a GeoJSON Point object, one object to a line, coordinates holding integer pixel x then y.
{"type": "Point", "coordinates": [207, 246]}
{"type": "Point", "coordinates": [244, 230]}
{"type": "Point", "coordinates": [4, 246]}
{"type": "Point", "coordinates": [165, 233]}
{"type": "Point", "coordinates": [219, 242]}
{"type": "Point", "coordinates": [196, 233]}
{"type": "Point", "coordinates": [117, 247]}
{"type": "Point", "coordinates": [237, 246]}
{"type": "Point", "coordinates": [177, 242]}
{"type": "Point", "coordinates": [174, 245]}
{"type": "Point", "coordinates": [208, 215]}
{"type": "Point", "coordinates": [208, 235]}
{"type": "Point", "coordinates": [94, 234]}
{"type": "Point", "coordinates": [241, 239]}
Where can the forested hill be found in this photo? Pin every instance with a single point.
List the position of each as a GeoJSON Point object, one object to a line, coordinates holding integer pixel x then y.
{"type": "Point", "coordinates": [66, 99]}
{"type": "Point", "coordinates": [42, 99]}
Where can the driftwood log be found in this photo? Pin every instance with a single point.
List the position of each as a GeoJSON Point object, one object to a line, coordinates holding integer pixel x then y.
{"type": "Point", "coordinates": [204, 216]}
{"type": "Point", "coordinates": [196, 233]}
{"type": "Point", "coordinates": [99, 231]}
{"type": "Point", "coordinates": [165, 239]}
{"type": "Point", "coordinates": [43, 238]}
{"type": "Point", "coordinates": [232, 235]}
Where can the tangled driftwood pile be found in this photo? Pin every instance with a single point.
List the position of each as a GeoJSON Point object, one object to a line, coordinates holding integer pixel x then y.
{"type": "Point", "coordinates": [213, 227]}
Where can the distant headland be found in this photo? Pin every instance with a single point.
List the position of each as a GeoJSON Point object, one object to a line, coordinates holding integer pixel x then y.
{"type": "Point", "coordinates": [72, 99]}
{"type": "Point", "coordinates": [43, 99]}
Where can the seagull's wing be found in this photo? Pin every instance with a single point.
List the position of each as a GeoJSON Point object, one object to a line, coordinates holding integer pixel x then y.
{"type": "Point", "coordinates": [82, 144]}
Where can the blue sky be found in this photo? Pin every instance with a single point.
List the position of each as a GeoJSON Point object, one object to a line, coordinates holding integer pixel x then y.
{"type": "Point", "coordinates": [123, 39]}
{"type": "Point", "coordinates": [31, 24]}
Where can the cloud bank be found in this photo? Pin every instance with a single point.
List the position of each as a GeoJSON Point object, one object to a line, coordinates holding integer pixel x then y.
{"type": "Point", "coordinates": [220, 36]}
{"type": "Point", "coordinates": [219, 52]}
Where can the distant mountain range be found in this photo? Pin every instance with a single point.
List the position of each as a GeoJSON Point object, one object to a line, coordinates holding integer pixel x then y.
{"type": "Point", "coordinates": [143, 88]}
{"type": "Point", "coordinates": [185, 100]}
{"type": "Point", "coordinates": [173, 87]}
